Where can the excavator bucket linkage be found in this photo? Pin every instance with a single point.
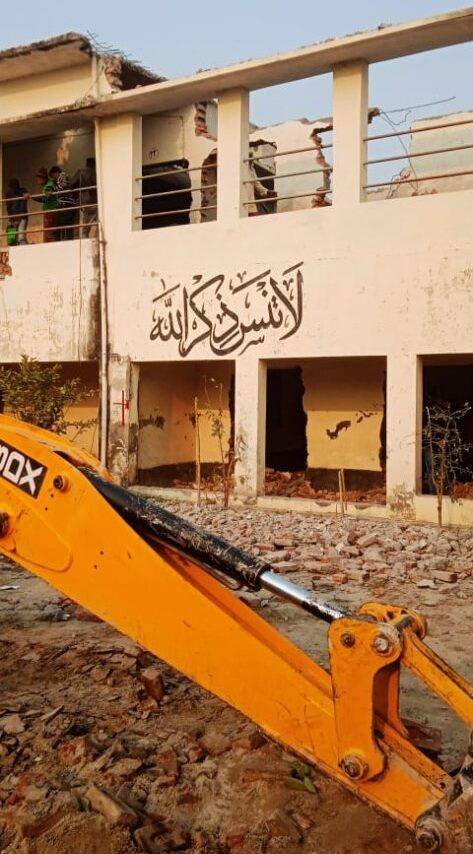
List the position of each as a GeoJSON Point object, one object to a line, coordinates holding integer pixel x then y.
{"type": "Point", "coordinates": [158, 579]}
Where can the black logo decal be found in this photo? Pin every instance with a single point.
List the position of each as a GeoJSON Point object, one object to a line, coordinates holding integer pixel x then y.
{"type": "Point", "coordinates": [24, 472]}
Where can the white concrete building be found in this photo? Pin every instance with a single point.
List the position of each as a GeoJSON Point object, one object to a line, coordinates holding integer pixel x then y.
{"type": "Point", "coordinates": [309, 337]}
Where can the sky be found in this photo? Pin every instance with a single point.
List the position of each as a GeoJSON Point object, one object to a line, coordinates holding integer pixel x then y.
{"type": "Point", "coordinates": [178, 40]}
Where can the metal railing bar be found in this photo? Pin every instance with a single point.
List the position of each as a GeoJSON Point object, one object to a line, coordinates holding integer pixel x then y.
{"type": "Point", "coordinates": [414, 179]}
{"type": "Point", "coordinates": [283, 198]}
{"type": "Point", "coordinates": [176, 192]}
{"type": "Point", "coordinates": [287, 175]}
{"type": "Point", "coordinates": [38, 196]}
{"type": "Point", "coordinates": [417, 154]}
{"type": "Point", "coordinates": [180, 210]}
{"type": "Point", "coordinates": [417, 130]}
{"type": "Point", "coordinates": [55, 228]}
{"type": "Point", "coordinates": [312, 148]}
{"type": "Point", "coordinates": [176, 171]}
{"type": "Point", "coordinates": [52, 211]}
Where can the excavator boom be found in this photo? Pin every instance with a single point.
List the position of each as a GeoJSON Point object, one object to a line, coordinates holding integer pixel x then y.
{"type": "Point", "coordinates": [159, 580]}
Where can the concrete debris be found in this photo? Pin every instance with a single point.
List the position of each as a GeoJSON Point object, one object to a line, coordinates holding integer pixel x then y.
{"type": "Point", "coordinates": [54, 614]}
{"type": "Point", "coordinates": [441, 575]}
{"type": "Point", "coordinates": [12, 725]}
{"type": "Point", "coordinates": [299, 484]}
{"type": "Point", "coordinates": [115, 811]}
{"type": "Point", "coordinates": [126, 768]}
{"type": "Point", "coordinates": [339, 551]}
{"type": "Point", "coordinates": [250, 741]}
{"type": "Point", "coordinates": [100, 739]}
{"type": "Point", "coordinates": [195, 752]}
{"type": "Point", "coordinates": [215, 743]}
{"type": "Point", "coordinates": [367, 540]}
{"type": "Point", "coordinates": [153, 683]}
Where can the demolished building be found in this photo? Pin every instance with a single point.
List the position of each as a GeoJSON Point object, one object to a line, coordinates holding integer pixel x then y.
{"type": "Point", "coordinates": [236, 288]}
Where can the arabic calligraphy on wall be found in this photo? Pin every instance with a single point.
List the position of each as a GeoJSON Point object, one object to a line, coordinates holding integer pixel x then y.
{"type": "Point", "coordinates": [230, 313]}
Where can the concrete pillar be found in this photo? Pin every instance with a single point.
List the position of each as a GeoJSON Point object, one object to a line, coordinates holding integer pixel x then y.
{"type": "Point", "coordinates": [403, 423]}
{"type": "Point", "coordinates": [123, 419]}
{"type": "Point", "coordinates": [233, 131]}
{"type": "Point", "coordinates": [119, 155]}
{"type": "Point", "coordinates": [118, 149]}
{"type": "Point", "coordinates": [350, 126]}
{"type": "Point", "coordinates": [250, 426]}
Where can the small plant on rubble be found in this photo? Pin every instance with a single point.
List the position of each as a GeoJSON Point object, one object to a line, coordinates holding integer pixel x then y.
{"type": "Point", "coordinates": [37, 394]}
{"type": "Point", "coordinates": [228, 458]}
{"type": "Point", "coordinates": [229, 452]}
{"type": "Point", "coordinates": [230, 455]}
{"type": "Point", "coordinates": [445, 449]}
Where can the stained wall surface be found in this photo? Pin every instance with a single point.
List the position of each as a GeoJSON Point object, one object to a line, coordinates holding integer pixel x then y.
{"type": "Point", "coordinates": [52, 89]}
{"type": "Point", "coordinates": [49, 302]}
{"type": "Point", "coordinates": [167, 400]}
{"type": "Point", "coordinates": [344, 400]}
{"type": "Point", "coordinates": [84, 429]}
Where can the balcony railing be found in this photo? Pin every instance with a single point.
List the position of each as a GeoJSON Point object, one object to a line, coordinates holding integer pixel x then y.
{"type": "Point", "coordinates": [411, 175]}
{"type": "Point", "coordinates": [59, 227]}
{"type": "Point", "coordinates": [163, 198]}
{"type": "Point", "coordinates": [261, 189]}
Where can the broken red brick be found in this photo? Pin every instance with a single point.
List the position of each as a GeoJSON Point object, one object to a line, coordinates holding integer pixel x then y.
{"type": "Point", "coordinates": [125, 768]}
{"type": "Point", "coordinates": [250, 741]}
{"type": "Point", "coordinates": [339, 578]}
{"type": "Point", "coordinates": [215, 743]}
{"type": "Point", "coordinates": [153, 683]}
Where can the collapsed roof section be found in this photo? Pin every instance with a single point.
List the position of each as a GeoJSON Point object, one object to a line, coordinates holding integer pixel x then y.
{"type": "Point", "coordinates": [127, 87]}
{"type": "Point", "coordinates": [68, 50]}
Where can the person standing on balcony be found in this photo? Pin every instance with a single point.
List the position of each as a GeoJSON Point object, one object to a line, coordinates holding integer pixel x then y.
{"type": "Point", "coordinates": [48, 200]}
{"type": "Point", "coordinates": [65, 201]}
{"type": "Point", "coordinates": [320, 199]}
{"type": "Point", "coordinates": [87, 177]}
{"type": "Point", "coordinates": [17, 210]}
{"type": "Point", "coordinates": [257, 193]}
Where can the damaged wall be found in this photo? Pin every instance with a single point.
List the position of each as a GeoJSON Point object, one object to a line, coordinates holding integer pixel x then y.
{"type": "Point", "coordinates": [325, 414]}
{"type": "Point", "coordinates": [49, 303]}
{"type": "Point", "coordinates": [165, 405]}
{"type": "Point", "coordinates": [63, 71]}
{"type": "Point", "coordinates": [288, 136]}
{"type": "Point", "coordinates": [421, 166]}
{"type": "Point", "coordinates": [46, 91]}
{"type": "Point", "coordinates": [181, 135]}
{"type": "Point", "coordinates": [344, 400]}
{"type": "Point", "coordinates": [191, 134]}
{"type": "Point", "coordinates": [354, 281]}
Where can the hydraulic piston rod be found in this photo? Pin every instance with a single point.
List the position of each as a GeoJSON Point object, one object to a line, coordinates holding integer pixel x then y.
{"type": "Point", "coordinates": [281, 586]}
{"type": "Point", "coordinates": [158, 525]}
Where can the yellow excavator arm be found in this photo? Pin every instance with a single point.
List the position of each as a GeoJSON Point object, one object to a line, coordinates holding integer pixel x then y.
{"type": "Point", "coordinates": [161, 580]}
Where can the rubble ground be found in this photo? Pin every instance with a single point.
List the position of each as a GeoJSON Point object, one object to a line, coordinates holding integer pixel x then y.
{"type": "Point", "coordinates": [104, 749]}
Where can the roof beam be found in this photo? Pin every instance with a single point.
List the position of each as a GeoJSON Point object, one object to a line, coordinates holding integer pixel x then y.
{"type": "Point", "coordinates": [386, 42]}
